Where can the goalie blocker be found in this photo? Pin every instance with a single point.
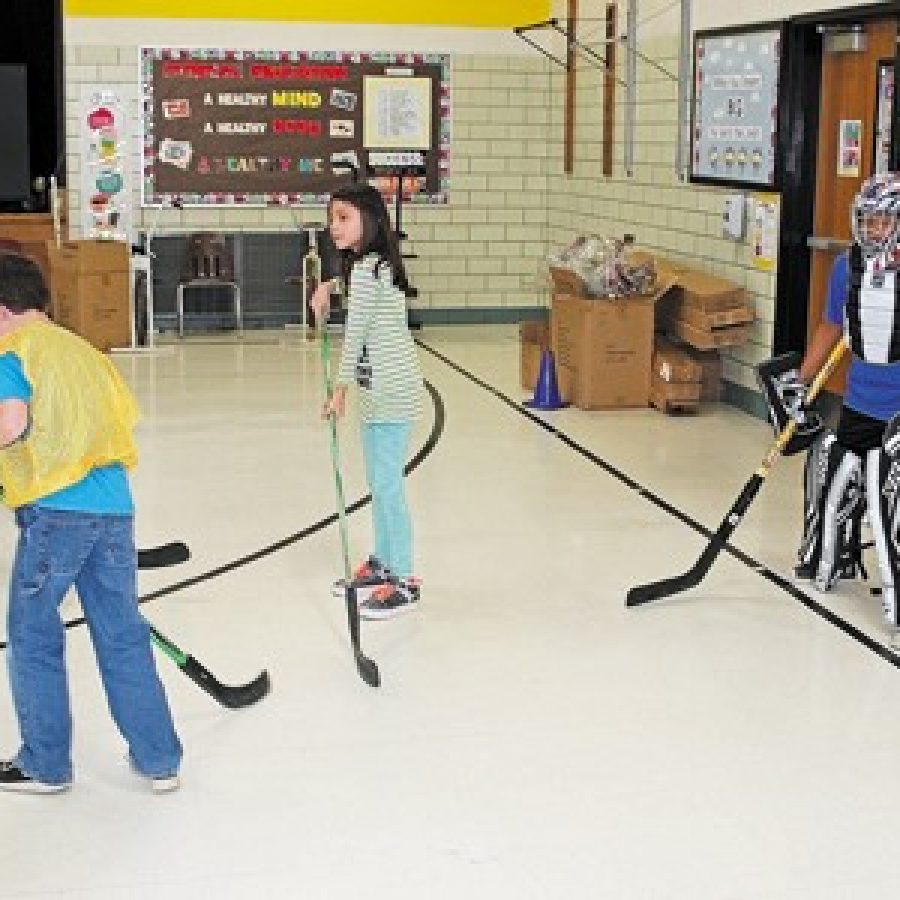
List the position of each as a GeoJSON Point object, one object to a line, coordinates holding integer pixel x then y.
{"type": "Point", "coordinates": [785, 395]}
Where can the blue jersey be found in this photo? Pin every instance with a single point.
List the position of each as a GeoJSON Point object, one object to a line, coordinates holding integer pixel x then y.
{"type": "Point", "coordinates": [103, 490]}
{"type": "Point", "coordinates": [872, 389]}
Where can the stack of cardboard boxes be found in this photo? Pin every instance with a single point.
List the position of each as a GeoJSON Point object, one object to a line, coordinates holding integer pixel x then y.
{"type": "Point", "coordinates": [91, 291]}
{"type": "Point", "coordinates": [706, 312]}
{"type": "Point", "coordinates": [604, 348]}
{"type": "Point", "coordinates": [676, 382]}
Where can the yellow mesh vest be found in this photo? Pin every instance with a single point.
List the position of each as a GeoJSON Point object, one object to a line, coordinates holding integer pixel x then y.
{"type": "Point", "coordinates": [81, 414]}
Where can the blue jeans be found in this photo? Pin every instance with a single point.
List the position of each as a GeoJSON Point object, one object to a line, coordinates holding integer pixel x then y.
{"type": "Point", "coordinates": [56, 550]}
{"type": "Point", "coordinates": [384, 449]}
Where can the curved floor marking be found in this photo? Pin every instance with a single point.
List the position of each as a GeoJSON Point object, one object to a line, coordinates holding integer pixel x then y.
{"type": "Point", "coordinates": [437, 429]}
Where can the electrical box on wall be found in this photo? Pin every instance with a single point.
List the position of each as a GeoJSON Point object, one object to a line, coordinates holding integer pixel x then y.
{"type": "Point", "coordinates": [733, 217]}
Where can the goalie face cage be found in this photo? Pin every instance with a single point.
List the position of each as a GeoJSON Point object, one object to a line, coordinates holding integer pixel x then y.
{"type": "Point", "coordinates": [875, 217]}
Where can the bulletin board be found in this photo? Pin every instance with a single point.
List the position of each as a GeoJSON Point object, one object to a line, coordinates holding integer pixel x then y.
{"type": "Point", "coordinates": [734, 110]}
{"type": "Point", "coordinates": [238, 127]}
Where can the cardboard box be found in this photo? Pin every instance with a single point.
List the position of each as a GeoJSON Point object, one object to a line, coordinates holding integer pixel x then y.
{"type": "Point", "coordinates": [92, 291]}
{"type": "Point", "coordinates": [710, 362]}
{"type": "Point", "coordinates": [674, 364]}
{"type": "Point", "coordinates": [565, 281]}
{"type": "Point", "coordinates": [708, 292]}
{"type": "Point", "coordinates": [534, 338]}
{"type": "Point", "coordinates": [677, 306]}
{"type": "Point", "coordinates": [90, 257]}
{"type": "Point", "coordinates": [668, 396]}
{"type": "Point", "coordinates": [605, 346]}
{"type": "Point", "coordinates": [703, 339]}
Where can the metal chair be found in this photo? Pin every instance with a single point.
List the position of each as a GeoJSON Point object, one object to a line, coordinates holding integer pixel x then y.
{"type": "Point", "coordinates": [209, 263]}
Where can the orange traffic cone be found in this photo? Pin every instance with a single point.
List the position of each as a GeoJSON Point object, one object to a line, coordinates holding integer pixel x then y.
{"type": "Point", "coordinates": [546, 391]}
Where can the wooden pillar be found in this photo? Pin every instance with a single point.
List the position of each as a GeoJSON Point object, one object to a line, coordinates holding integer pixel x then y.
{"type": "Point", "coordinates": [569, 144]}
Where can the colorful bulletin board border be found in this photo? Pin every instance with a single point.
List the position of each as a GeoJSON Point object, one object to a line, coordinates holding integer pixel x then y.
{"type": "Point", "coordinates": [270, 128]}
{"type": "Point", "coordinates": [461, 13]}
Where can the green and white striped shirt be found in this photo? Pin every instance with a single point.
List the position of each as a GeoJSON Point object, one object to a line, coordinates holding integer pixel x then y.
{"type": "Point", "coordinates": [379, 354]}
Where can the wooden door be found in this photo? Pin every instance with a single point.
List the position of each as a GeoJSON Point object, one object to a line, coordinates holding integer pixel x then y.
{"type": "Point", "coordinates": [849, 94]}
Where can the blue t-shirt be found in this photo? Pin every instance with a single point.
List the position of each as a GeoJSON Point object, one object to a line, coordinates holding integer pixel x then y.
{"type": "Point", "coordinates": [872, 389]}
{"type": "Point", "coordinates": [103, 490]}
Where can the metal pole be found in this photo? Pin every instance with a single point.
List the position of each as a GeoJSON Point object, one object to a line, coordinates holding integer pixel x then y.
{"type": "Point", "coordinates": [685, 75]}
{"type": "Point", "coordinates": [630, 84]}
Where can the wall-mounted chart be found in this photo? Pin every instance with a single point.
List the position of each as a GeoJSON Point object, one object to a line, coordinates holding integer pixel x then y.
{"type": "Point", "coordinates": [734, 119]}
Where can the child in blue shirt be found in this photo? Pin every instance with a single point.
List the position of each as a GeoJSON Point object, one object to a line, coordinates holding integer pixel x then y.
{"type": "Point", "coordinates": [66, 420]}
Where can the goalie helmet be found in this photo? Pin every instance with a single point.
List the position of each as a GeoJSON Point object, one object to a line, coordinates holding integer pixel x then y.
{"type": "Point", "coordinates": [875, 216]}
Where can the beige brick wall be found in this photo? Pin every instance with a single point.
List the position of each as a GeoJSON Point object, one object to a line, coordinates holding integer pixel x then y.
{"type": "Point", "coordinates": [510, 201]}
{"type": "Point", "coordinates": [482, 250]}
{"type": "Point", "coordinates": [679, 220]}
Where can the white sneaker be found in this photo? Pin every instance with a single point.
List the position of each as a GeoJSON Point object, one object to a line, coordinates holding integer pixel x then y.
{"type": "Point", "coordinates": [164, 784]}
{"type": "Point", "coordinates": [160, 784]}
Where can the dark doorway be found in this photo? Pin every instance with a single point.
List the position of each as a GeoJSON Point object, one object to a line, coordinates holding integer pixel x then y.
{"type": "Point", "coordinates": [32, 36]}
{"type": "Point", "coordinates": [799, 282]}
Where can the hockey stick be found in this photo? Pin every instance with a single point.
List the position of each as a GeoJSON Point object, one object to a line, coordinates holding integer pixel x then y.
{"type": "Point", "coordinates": [232, 696]}
{"type": "Point", "coordinates": [165, 555]}
{"type": "Point", "coordinates": [366, 667]}
{"type": "Point", "coordinates": [644, 593]}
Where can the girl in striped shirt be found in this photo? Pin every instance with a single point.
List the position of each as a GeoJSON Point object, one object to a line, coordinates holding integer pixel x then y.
{"type": "Point", "coordinates": [379, 355]}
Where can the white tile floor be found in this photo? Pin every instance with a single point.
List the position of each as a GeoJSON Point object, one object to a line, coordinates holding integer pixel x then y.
{"type": "Point", "coordinates": [532, 738]}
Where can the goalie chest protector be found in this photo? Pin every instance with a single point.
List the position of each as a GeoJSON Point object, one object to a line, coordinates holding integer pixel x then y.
{"type": "Point", "coordinates": [872, 318]}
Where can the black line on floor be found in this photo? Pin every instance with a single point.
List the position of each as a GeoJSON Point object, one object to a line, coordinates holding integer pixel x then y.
{"type": "Point", "coordinates": [780, 581]}
{"type": "Point", "coordinates": [437, 429]}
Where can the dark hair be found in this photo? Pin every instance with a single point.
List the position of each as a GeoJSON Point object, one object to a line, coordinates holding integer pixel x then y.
{"type": "Point", "coordinates": [377, 234]}
{"type": "Point", "coordinates": [22, 286]}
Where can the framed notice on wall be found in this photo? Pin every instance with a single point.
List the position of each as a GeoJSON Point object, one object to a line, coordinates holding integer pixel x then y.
{"type": "Point", "coordinates": [734, 109]}
{"type": "Point", "coordinates": [284, 127]}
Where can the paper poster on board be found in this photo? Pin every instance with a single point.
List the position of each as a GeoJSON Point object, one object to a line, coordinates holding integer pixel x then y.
{"type": "Point", "coordinates": [398, 113]}
{"type": "Point", "coordinates": [108, 145]}
{"type": "Point", "coordinates": [849, 148]}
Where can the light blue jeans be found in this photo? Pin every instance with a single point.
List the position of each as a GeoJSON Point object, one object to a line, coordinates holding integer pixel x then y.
{"type": "Point", "coordinates": [56, 550]}
{"type": "Point", "coordinates": [384, 449]}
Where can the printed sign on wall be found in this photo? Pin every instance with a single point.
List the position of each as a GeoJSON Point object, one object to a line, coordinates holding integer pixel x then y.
{"type": "Point", "coordinates": [281, 127]}
{"type": "Point", "coordinates": [106, 211]}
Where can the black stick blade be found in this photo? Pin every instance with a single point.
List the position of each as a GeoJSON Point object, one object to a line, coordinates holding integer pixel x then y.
{"type": "Point", "coordinates": [170, 554]}
{"type": "Point", "coordinates": [666, 587]}
{"type": "Point", "coordinates": [644, 593]}
{"type": "Point", "coordinates": [368, 670]}
{"type": "Point", "coordinates": [366, 667]}
{"type": "Point", "coordinates": [231, 696]}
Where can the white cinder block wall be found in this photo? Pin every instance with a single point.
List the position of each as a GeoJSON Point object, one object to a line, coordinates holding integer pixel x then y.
{"type": "Point", "coordinates": [481, 251]}
{"type": "Point", "coordinates": [667, 216]}
{"type": "Point", "coordinates": [677, 219]}
{"type": "Point", "coordinates": [510, 201]}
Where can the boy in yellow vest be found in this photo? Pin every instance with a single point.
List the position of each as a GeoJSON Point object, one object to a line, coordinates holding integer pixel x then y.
{"type": "Point", "coordinates": [66, 420]}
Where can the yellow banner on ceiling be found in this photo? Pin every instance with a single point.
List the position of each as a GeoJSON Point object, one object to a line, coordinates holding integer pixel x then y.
{"type": "Point", "coordinates": [464, 13]}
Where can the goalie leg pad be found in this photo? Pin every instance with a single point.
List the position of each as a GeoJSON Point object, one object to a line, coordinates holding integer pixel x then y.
{"type": "Point", "coordinates": [833, 507]}
{"type": "Point", "coordinates": [883, 487]}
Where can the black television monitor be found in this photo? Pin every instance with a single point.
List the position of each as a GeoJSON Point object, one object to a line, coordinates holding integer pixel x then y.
{"type": "Point", "coordinates": [15, 174]}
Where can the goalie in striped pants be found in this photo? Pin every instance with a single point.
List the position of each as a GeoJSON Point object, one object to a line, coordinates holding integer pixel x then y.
{"type": "Point", "coordinates": [855, 468]}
